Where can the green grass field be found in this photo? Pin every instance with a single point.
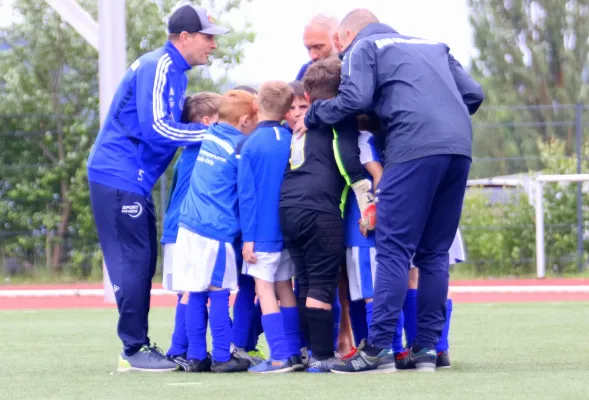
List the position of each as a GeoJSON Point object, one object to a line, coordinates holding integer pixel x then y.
{"type": "Point", "coordinates": [499, 351]}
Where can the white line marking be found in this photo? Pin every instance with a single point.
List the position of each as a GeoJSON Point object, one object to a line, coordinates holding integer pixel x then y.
{"type": "Point", "coordinates": [184, 384]}
{"type": "Point", "coordinates": [8, 293]}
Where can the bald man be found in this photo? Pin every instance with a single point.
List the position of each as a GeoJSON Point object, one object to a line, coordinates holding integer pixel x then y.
{"type": "Point", "coordinates": [422, 98]}
{"type": "Point", "coordinates": [318, 38]}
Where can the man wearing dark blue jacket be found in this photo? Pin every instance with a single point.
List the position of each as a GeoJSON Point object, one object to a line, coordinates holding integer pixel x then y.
{"type": "Point", "coordinates": [134, 147]}
{"type": "Point", "coordinates": [422, 98]}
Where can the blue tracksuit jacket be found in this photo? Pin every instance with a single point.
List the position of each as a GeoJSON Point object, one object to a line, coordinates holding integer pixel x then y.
{"type": "Point", "coordinates": [140, 133]}
{"type": "Point", "coordinates": [419, 92]}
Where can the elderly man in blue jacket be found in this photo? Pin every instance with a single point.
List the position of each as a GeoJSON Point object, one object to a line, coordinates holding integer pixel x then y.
{"type": "Point", "coordinates": [423, 100]}
{"type": "Point", "coordinates": [136, 143]}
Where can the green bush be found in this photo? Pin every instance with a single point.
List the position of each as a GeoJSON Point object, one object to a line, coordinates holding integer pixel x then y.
{"type": "Point", "coordinates": [500, 236]}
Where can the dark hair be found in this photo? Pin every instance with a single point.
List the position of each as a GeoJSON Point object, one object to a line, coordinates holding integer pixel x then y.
{"type": "Point", "coordinates": [322, 79]}
{"type": "Point", "coordinates": [298, 88]}
{"type": "Point", "coordinates": [248, 89]}
{"type": "Point", "coordinates": [200, 105]}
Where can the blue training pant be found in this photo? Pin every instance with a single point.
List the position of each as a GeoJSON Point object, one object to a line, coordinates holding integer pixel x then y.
{"type": "Point", "coordinates": [125, 222]}
{"type": "Point", "coordinates": [419, 203]}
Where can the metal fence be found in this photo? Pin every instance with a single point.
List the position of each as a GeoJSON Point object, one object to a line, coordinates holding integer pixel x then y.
{"type": "Point", "coordinates": [511, 145]}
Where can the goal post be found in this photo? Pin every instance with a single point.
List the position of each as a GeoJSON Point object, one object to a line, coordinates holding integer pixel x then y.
{"type": "Point", "coordinates": [539, 205]}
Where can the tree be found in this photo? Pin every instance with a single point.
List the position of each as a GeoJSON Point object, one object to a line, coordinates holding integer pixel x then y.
{"type": "Point", "coordinates": [49, 114]}
{"type": "Point", "coordinates": [533, 54]}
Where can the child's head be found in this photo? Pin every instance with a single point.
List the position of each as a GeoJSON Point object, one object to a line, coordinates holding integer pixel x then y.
{"type": "Point", "coordinates": [368, 122]}
{"type": "Point", "coordinates": [299, 106]}
{"type": "Point", "coordinates": [274, 100]}
{"type": "Point", "coordinates": [248, 89]}
{"type": "Point", "coordinates": [201, 107]}
{"type": "Point", "coordinates": [322, 79]}
{"type": "Point", "coordinates": [237, 110]}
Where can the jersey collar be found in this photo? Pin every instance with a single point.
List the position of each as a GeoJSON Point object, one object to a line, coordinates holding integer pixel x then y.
{"type": "Point", "coordinates": [268, 124]}
{"type": "Point", "coordinates": [177, 58]}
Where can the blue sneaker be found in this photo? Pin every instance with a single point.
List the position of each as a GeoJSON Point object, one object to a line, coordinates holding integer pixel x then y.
{"type": "Point", "coordinates": [149, 359]}
{"type": "Point", "coordinates": [361, 362]}
{"type": "Point", "coordinates": [272, 367]}
{"type": "Point", "coordinates": [320, 366]}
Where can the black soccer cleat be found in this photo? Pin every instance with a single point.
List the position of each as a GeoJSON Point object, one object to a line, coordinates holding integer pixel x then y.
{"type": "Point", "coordinates": [235, 364]}
{"type": "Point", "coordinates": [443, 359]}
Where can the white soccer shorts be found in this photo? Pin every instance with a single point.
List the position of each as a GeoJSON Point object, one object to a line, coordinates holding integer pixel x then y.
{"type": "Point", "coordinates": [271, 267]}
{"type": "Point", "coordinates": [200, 262]}
{"type": "Point", "coordinates": [361, 267]}
{"type": "Point", "coordinates": [168, 251]}
{"type": "Point", "coordinates": [456, 252]}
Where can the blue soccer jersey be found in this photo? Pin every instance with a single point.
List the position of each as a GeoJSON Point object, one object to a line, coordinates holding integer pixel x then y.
{"type": "Point", "coordinates": [353, 237]}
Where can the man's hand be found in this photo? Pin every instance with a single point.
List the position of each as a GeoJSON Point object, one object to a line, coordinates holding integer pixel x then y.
{"type": "Point", "coordinates": [248, 253]}
{"type": "Point", "coordinates": [363, 191]}
{"type": "Point", "coordinates": [300, 129]}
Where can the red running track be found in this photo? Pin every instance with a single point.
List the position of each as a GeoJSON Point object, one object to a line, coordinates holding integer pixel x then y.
{"type": "Point", "coordinates": [8, 303]}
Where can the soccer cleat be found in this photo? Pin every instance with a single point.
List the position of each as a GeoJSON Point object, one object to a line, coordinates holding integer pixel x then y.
{"type": "Point", "coordinates": [320, 366]}
{"type": "Point", "coordinates": [443, 359]}
{"type": "Point", "coordinates": [256, 356]}
{"type": "Point", "coordinates": [361, 362]}
{"type": "Point", "coordinates": [272, 367]}
{"type": "Point", "coordinates": [424, 360]}
{"type": "Point", "coordinates": [234, 364]}
{"type": "Point", "coordinates": [147, 359]}
{"type": "Point", "coordinates": [297, 363]}
{"type": "Point", "coordinates": [203, 365]}
{"type": "Point", "coordinates": [305, 356]}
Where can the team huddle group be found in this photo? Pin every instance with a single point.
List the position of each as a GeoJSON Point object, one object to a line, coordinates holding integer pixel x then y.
{"type": "Point", "coordinates": [314, 199]}
{"type": "Point", "coordinates": [253, 206]}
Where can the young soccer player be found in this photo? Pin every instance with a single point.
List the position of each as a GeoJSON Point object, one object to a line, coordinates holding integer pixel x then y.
{"type": "Point", "coordinates": [200, 108]}
{"type": "Point", "coordinates": [246, 326]}
{"type": "Point", "coordinates": [299, 105]}
{"type": "Point", "coordinates": [342, 330]}
{"type": "Point", "coordinates": [263, 157]}
{"type": "Point", "coordinates": [311, 214]}
{"type": "Point", "coordinates": [204, 259]}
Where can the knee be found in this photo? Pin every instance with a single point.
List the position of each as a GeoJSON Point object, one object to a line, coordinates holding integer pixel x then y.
{"type": "Point", "coordinates": [322, 293]}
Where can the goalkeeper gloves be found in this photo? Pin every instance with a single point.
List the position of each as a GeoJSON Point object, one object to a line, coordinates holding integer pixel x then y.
{"type": "Point", "coordinates": [363, 191]}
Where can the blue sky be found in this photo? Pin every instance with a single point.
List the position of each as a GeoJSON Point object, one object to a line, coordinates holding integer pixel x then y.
{"type": "Point", "coordinates": [278, 51]}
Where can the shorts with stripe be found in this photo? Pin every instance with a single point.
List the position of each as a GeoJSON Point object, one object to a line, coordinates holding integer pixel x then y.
{"type": "Point", "coordinates": [168, 250]}
{"type": "Point", "coordinates": [200, 262]}
{"type": "Point", "coordinates": [361, 267]}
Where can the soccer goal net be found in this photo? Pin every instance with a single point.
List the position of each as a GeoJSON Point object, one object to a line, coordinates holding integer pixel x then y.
{"type": "Point", "coordinates": [540, 182]}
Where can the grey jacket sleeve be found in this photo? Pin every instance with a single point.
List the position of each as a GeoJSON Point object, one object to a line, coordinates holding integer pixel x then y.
{"type": "Point", "coordinates": [355, 91]}
{"type": "Point", "coordinates": [470, 90]}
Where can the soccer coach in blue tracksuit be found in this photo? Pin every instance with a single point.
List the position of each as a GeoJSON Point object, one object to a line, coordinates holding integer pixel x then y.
{"type": "Point", "coordinates": [137, 141]}
{"type": "Point", "coordinates": [423, 99]}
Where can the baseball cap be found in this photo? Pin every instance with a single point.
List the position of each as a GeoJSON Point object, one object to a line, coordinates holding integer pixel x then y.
{"type": "Point", "coordinates": [193, 19]}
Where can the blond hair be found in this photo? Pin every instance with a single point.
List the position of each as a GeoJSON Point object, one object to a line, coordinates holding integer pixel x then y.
{"type": "Point", "coordinates": [275, 99]}
{"type": "Point", "coordinates": [200, 105]}
{"type": "Point", "coordinates": [322, 79]}
{"type": "Point", "coordinates": [234, 105]}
